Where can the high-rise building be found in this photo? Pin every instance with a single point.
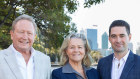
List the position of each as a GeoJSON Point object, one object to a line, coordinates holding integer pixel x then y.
{"type": "Point", "coordinates": [105, 52]}
{"type": "Point", "coordinates": [82, 31]}
{"type": "Point", "coordinates": [92, 38]}
{"type": "Point", "coordinates": [104, 41]}
{"type": "Point", "coordinates": [138, 49]}
{"type": "Point", "coordinates": [130, 46]}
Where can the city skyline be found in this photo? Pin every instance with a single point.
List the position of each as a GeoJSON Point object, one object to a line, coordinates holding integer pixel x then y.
{"type": "Point", "coordinates": [92, 38]}
{"type": "Point", "coordinates": [103, 14]}
{"type": "Point", "coordinates": [104, 40]}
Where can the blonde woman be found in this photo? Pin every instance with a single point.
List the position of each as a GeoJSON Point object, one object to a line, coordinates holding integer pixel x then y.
{"type": "Point", "coordinates": [75, 59]}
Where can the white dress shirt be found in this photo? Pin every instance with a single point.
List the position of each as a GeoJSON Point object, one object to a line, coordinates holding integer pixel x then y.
{"type": "Point", "coordinates": [27, 70]}
{"type": "Point", "coordinates": [117, 66]}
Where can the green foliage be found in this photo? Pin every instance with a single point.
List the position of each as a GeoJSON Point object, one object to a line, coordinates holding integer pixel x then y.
{"type": "Point", "coordinates": [5, 37]}
{"type": "Point", "coordinates": [51, 17]}
{"type": "Point", "coordinates": [39, 45]}
{"type": "Point", "coordinates": [88, 3]}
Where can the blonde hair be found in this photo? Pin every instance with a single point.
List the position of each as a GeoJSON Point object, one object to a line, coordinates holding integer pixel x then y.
{"type": "Point", "coordinates": [87, 60]}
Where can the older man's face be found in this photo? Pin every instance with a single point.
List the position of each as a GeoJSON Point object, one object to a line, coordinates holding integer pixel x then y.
{"type": "Point", "coordinates": [23, 36]}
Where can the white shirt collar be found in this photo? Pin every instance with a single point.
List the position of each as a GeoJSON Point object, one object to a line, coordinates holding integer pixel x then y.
{"type": "Point", "coordinates": [125, 57]}
{"type": "Point", "coordinates": [18, 53]}
{"type": "Point", "coordinates": [27, 70]}
{"type": "Point", "coordinates": [118, 65]}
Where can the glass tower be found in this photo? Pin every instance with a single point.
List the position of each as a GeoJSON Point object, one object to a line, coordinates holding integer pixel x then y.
{"type": "Point", "coordinates": [104, 41]}
{"type": "Point", "coordinates": [92, 38]}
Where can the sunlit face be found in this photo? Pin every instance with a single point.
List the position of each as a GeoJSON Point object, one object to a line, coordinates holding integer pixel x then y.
{"type": "Point", "coordinates": [75, 50]}
{"type": "Point", "coordinates": [23, 36]}
{"type": "Point", "coordinates": [119, 39]}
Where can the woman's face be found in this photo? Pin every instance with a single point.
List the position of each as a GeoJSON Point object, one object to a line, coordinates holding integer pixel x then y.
{"type": "Point", "coordinates": [76, 50]}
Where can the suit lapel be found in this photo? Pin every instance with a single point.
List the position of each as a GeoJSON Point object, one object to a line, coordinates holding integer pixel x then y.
{"type": "Point", "coordinates": [12, 63]}
{"type": "Point", "coordinates": [37, 67]}
{"type": "Point", "coordinates": [109, 67]}
{"type": "Point", "coordinates": [128, 66]}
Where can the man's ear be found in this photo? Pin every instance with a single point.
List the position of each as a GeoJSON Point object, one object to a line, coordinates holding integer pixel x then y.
{"type": "Point", "coordinates": [129, 36]}
{"type": "Point", "coordinates": [11, 33]}
{"type": "Point", "coordinates": [109, 38]}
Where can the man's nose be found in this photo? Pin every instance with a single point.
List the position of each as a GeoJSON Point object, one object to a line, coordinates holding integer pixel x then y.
{"type": "Point", "coordinates": [118, 39]}
{"type": "Point", "coordinates": [25, 35]}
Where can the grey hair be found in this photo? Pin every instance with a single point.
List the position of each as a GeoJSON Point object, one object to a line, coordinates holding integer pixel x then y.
{"type": "Point", "coordinates": [87, 60]}
{"type": "Point", "coordinates": [24, 17]}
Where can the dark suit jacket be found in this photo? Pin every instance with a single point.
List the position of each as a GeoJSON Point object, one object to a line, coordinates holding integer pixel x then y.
{"type": "Point", "coordinates": [58, 74]}
{"type": "Point", "coordinates": [131, 69]}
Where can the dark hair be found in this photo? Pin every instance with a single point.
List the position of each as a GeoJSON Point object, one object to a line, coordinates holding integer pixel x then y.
{"type": "Point", "coordinates": [120, 23]}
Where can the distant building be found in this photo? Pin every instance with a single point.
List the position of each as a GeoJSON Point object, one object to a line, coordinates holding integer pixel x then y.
{"type": "Point", "coordinates": [104, 41]}
{"type": "Point", "coordinates": [138, 49]}
{"type": "Point", "coordinates": [130, 46]}
{"type": "Point", "coordinates": [82, 31]}
{"type": "Point", "coordinates": [105, 52]}
{"type": "Point", "coordinates": [92, 38]}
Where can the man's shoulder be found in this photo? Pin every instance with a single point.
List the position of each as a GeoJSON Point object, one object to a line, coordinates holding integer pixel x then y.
{"type": "Point", "coordinates": [91, 70]}
{"type": "Point", "coordinates": [4, 53]}
{"type": "Point", "coordinates": [41, 54]}
{"type": "Point", "coordinates": [4, 50]}
{"type": "Point", "coordinates": [107, 57]}
{"type": "Point", "coordinates": [137, 57]}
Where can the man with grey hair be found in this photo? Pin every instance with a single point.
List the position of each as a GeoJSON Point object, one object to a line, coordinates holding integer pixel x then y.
{"type": "Point", "coordinates": [21, 60]}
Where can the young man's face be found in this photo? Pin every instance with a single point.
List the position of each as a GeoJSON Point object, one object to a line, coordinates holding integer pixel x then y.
{"type": "Point", "coordinates": [119, 39]}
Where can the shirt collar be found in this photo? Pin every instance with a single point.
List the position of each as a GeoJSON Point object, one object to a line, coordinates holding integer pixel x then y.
{"type": "Point", "coordinates": [125, 57]}
{"type": "Point", "coordinates": [18, 53]}
{"type": "Point", "coordinates": [67, 68]}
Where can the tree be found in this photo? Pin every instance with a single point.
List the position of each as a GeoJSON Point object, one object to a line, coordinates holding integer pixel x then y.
{"type": "Point", "coordinates": [89, 3]}
{"type": "Point", "coordinates": [51, 17]}
{"type": "Point", "coordinates": [7, 14]}
{"type": "Point", "coordinates": [4, 37]}
{"type": "Point", "coordinates": [96, 55]}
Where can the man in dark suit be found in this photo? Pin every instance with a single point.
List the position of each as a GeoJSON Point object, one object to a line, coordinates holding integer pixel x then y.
{"type": "Point", "coordinates": [123, 63]}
